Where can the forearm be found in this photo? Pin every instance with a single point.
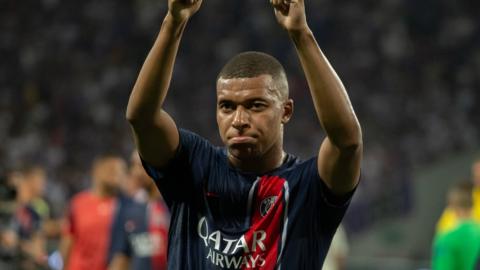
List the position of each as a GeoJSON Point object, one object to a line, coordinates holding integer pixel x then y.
{"type": "Point", "coordinates": [153, 81]}
{"type": "Point", "coordinates": [332, 105]}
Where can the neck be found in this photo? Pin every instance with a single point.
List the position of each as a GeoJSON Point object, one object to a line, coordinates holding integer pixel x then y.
{"type": "Point", "coordinates": [269, 161]}
{"type": "Point", "coordinates": [101, 192]}
{"type": "Point", "coordinates": [24, 196]}
{"type": "Point", "coordinates": [153, 194]}
{"type": "Point", "coordinates": [463, 214]}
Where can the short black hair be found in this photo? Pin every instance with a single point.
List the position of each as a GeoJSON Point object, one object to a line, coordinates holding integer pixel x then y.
{"type": "Point", "coordinates": [252, 64]}
{"type": "Point", "coordinates": [100, 158]}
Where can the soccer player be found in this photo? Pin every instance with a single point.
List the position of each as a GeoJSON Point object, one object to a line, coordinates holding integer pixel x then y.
{"type": "Point", "coordinates": [86, 239]}
{"type": "Point", "coordinates": [140, 229]}
{"type": "Point", "coordinates": [459, 248]}
{"type": "Point", "coordinates": [449, 220]}
{"type": "Point", "coordinates": [249, 205]}
{"type": "Point", "coordinates": [28, 219]}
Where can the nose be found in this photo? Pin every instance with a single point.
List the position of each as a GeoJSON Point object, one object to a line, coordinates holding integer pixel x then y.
{"type": "Point", "coordinates": [241, 119]}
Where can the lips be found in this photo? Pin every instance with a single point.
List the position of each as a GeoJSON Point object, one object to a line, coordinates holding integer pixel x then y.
{"type": "Point", "coordinates": [241, 140]}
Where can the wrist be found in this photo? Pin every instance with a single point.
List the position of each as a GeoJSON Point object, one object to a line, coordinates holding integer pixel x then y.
{"type": "Point", "coordinates": [175, 20]}
{"type": "Point", "coordinates": [174, 25]}
{"type": "Point", "coordinates": [298, 33]}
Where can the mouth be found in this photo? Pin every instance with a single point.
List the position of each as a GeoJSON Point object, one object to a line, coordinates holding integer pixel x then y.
{"type": "Point", "coordinates": [241, 140]}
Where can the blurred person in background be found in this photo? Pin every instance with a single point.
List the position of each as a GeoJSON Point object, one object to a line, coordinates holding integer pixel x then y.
{"type": "Point", "coordinates": [337, 253]}
{"type": "Point", "coordinates": [135, 186]}
{"type": "Point", "coordinates": [86, 238]}
{"type": "Point", "coordinates": [140, 230]}
{"type": "Point", "coordinates": [9, 240]}
{"type": "Point", "coordinates": [28, 219]}
{"type": "Point", "coordinates": [458, 248]}
{"type": "Point", "coordinates": [449, 219]}
{"type": "Point", "coordinates": [36, 176]}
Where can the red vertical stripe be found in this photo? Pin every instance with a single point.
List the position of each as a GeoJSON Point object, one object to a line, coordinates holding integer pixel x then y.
{"type": "Point", "coordinates": [271, 223]}
{"type": "Point", "coordinates": [159, 229]}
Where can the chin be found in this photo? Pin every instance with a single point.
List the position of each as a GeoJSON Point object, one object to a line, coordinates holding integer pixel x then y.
{"type": "Point", "coordinates": [244, 153]}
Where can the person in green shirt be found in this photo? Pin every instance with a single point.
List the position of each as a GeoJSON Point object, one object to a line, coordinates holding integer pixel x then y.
{"type": "Point", "coordinates": [459, 248]}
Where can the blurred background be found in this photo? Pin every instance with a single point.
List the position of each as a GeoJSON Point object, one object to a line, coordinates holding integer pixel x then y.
{"type": "Point", "coordinates": [412, 69]}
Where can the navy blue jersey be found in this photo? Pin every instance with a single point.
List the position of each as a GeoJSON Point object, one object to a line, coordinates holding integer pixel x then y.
{"type": "Point", "coordinates": [140, 232]}
{"type": "Point", "coordinates": [27, 222]}
{"type": "Point", "coordinates": [223, 218]}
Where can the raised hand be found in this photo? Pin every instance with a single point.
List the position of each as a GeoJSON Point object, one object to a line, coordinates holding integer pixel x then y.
{"type": "Point", "coordinates": [182, 10]}
{"type": "Point", "coordinates": [290, 14]}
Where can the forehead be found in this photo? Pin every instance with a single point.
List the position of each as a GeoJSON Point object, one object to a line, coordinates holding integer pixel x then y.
{"type": "Point", "coordinates": [238, 87]}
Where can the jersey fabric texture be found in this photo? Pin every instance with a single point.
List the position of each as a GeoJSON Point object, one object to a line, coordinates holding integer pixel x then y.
{"type": "Point", "coordinates": [457, 249]}
{"type": "Point", "coordinates": [26, 222]}
{"type": "Point", "coordinates": [223, 218]}
{"type": "Point", "coordinates": [448, 220]}
{"type": "Point", "coordinates": [89, 225]}
{"type": "Point", "coordinates": [140, 232]}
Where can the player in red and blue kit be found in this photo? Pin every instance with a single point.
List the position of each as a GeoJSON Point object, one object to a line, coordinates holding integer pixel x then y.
{"type": "Point", "coordinates": [140, 228]}
{"type": "Point", "coordinates": [249, 205]}
{"type": "Point", "coordinates": [139, 236]}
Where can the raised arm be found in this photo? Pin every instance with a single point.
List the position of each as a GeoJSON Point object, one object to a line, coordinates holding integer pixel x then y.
{"type": "Point", "coordinates": [340, 154]}
{"type": "Point", "coordinates": [154, 131]}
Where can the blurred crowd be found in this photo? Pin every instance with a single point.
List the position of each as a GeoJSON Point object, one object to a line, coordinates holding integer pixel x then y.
{"type": "Point", "coordinates": [411, 68]}
{"type": "Point", "coordinates": [119, 222]}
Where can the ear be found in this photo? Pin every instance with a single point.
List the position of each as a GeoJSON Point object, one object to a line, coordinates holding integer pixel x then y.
{"type": "Point", "coordinates": [287, 111]}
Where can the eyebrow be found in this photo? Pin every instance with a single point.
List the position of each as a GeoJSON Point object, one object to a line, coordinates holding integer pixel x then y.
{"type": "Point", "coordinates": [222, 100]}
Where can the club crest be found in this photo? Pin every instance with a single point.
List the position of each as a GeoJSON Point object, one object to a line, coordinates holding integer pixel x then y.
{"type": "Point", "coordinates": [266, 204]}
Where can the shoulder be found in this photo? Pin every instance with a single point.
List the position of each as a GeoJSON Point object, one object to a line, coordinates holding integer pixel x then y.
{"type": "Point", "coordinates": [81, 197]}
{"type": "Point", "coordinates": [195, 149]}
{"type": "Point", "coordinates": [303, 168]}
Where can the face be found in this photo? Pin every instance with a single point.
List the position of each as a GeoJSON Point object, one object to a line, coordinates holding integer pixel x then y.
{"type": "Point", "coordinates": [476, 173]}
{"type": "Point", "coordinates": [250, 115]}
{"type": "Point", "coordinates": [38, 180]}
{"type": "Point", "coordinates": [138, 175]}
{"type": "Point", "coordinates": [110, 173]}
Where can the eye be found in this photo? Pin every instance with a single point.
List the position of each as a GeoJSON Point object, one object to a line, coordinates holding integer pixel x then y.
{"type": "Point", "coordinates": [258, 106]}
{"type": "Point", "coordinates": [226, 106]}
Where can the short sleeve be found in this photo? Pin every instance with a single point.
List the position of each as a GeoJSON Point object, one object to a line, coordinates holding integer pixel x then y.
{"type": "Point", "coordinates": [328, 207]}
{"type": "Point", "coordinates": [176, 181]}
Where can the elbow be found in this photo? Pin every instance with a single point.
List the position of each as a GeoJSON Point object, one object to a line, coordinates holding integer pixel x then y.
{"type": "Point", "coordinates": [351, 140]}
{"type": "Point", "coordinates": [135, 118]}
{"type": "Point", "coordinates": [131, 116]}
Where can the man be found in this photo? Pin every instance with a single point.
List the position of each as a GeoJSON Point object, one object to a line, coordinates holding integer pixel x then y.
{"type": "Point", "coordinates": [28, 219]}
{"type": "Point", "coordinates": [459, 248]}
{"type": "Point", "coordinates": [86, 239]}
{"type": "Point", "coordinates": [140, 229]}
{"type": "Point", "coordinates": [138, 181]}
{"type": "Point", "coordinates": [449, 220]}
{"type": "Point", "coordinates": [249, 205]}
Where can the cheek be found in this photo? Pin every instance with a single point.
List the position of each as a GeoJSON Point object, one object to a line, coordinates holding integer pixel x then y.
{"type": "Point", "coordinates": [270, 125]}
{"type": "Point", "coordinates": [223, 123]}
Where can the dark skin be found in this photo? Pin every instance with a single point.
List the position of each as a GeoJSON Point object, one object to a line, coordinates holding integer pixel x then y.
{"type": "Point", "coordinates": [250, 118]}
{"type": "Point", "coordinates": [251, 125]}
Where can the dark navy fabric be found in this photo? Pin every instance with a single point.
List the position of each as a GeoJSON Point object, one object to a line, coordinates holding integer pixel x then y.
{"type": "Point", "coordinates": [27, 222]}
{"type": "Point", "coordinates": [222, 218]}
{"type": "Point", "coordinates": [131, 235]}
